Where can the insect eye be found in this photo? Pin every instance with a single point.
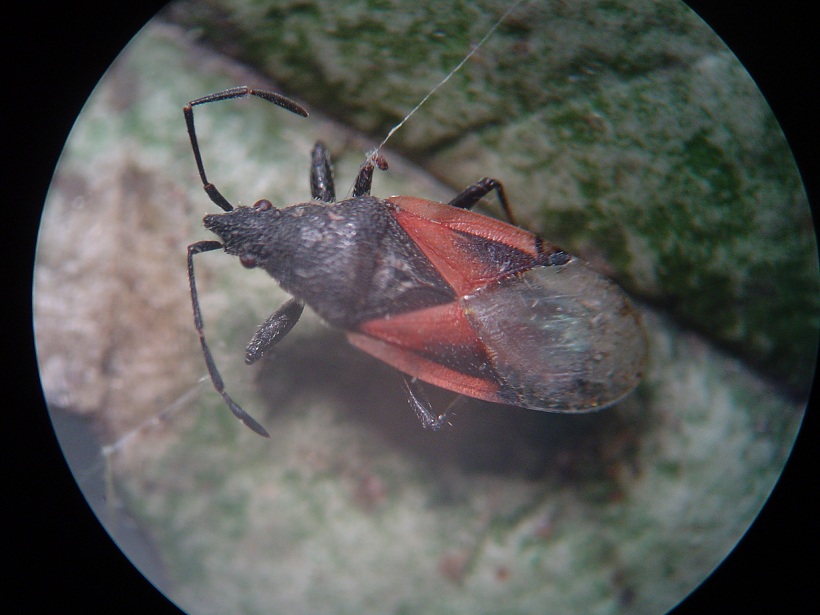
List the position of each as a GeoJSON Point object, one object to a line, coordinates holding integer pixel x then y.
{"type": "Point", "coordinates": [249, 262]}
{"type": "Point", "coordinates": [263, 205]}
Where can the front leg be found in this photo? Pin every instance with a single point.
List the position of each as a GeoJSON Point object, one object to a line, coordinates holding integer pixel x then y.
{"type": "Point", "coordinates": [364, 180]}
{"type": "Point", "coordinates": [277, 326]}
{"type": "Point", "coordinates": [473, 194]}
{"type": "Point", "coordinates": [321, 175]}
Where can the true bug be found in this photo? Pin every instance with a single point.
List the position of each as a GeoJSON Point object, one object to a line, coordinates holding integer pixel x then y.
{"type": "Point", "coordinates": [445, 295]}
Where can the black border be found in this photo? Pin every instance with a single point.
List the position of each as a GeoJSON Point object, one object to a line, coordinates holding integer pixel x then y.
{"type": "Point", "coordinates": [60, 560]}
{"type": "Point", "coordinates": [56, 55]}
{"type": "Point", "coordinates": [773, 568]}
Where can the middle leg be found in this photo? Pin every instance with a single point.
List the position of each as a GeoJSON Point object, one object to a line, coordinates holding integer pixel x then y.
{"type": "Point", "coordinates": [473, 194]}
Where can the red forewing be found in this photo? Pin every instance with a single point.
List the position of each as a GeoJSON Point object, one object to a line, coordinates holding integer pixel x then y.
{"type": "Point", "coordinates": [469, 250]}
{"type": "Point", "coordinates": [531, 326]}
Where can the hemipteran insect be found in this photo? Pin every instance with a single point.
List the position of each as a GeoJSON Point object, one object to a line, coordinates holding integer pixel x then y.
{"type": "Point", "coordinates": [445, 295]}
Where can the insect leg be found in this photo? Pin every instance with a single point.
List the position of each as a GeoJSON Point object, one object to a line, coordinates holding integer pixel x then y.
{"type": "Point", "coordinates": [473, 194]}
{"type": "Point", "coordinates": [239, 92]}
{"type": "Point", "coordinates": [277, 326]}
{"type": "Point", "coordinates": [321, 174]}
{"type": "Point", "coordinates": [216, 378]}
{"type": "Point", "coordinates": [421, 405]}
{"type": "Point", "coordinates": [364, 180]}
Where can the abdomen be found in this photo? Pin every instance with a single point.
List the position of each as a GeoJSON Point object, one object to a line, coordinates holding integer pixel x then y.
{"type": "Point", "coordinates": [563, 338]}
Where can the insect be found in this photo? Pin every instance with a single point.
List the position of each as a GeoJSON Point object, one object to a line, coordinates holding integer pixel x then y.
{"type": "Point", "coordinates": [445, 295]}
